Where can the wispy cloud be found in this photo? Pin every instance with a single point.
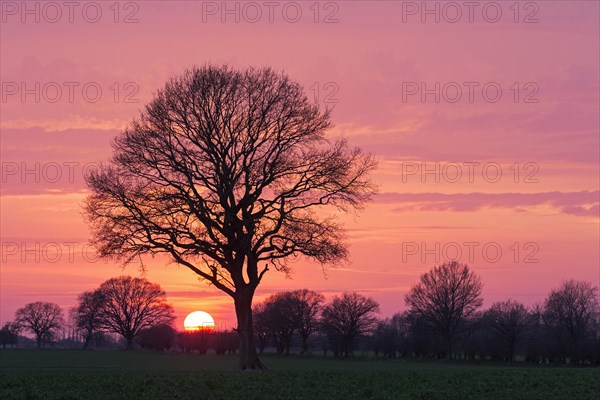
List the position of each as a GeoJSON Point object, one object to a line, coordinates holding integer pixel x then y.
{"type": "Point", "coordinates": [582, 204]}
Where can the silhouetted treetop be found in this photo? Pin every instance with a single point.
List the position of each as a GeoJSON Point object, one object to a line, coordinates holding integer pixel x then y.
{"type": "Point", "coordinates": [41, 318]}
{"type": "Point", "coordinates": [130, 305]}
{"type": "Point", "coordinates": [225, 163]}
{"type": "Point", "coordinates": [444, 297]}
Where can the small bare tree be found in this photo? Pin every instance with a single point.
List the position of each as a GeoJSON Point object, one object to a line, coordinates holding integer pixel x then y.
{"type": "Point", "coordinates": [261, 327]}
{"type": "Point", "coordinates": [132, 304]}
{"type": "Point", "coordinates": [349, 317]}
{"type": "Point", "coordinates": [284, 313]}
{"type": "Point", "coordinates": [306, 307]}
{"type": "Point", "coordinates": [509, 320]}
{"type": "Point", "coordinates": [9, 334]}
{"type": "Point", "coordinates": [444, 298]}
{"type": "Point", "coordinates": [86, 315]}
{"type": "Point", "coordinates": [281, 322]}
{"type": "Point", "coordinates": [224, 171]}
{"type": "Point", "coordinates": [569, 310]}
{"type": "Point", "coordinates": [391, 336]}
{"type": "Point", "coordinates": [42, 319]}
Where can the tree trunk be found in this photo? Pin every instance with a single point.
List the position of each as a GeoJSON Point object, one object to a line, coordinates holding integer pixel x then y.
{"type": "Point", "coordinates": [511, 352]}
{"type": "Point", "coordinates": [38, 339]}
{"type": "Point", "coordinates": [243, 310]}
{"type": "Point", "coordinates": [449, 343]}
{"type": "Point", "coordinates": [304, 344]}
{"type": "Point", "coordinates": [349, 346]}
{"type": "Point", "coordinates": [129, 342]}
{"type": "Point", "coordinates": [86, 342]}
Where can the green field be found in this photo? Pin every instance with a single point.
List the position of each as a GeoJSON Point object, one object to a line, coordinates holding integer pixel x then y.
{"type": "Point", "coordinates": [73, 374]}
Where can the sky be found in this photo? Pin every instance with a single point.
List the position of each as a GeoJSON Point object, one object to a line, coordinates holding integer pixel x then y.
{"type": "Point", "coordinates": [484, 119]}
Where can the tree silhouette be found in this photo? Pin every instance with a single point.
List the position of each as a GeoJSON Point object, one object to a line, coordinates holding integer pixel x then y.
{"type": "Point", "coordinates": [306, 307]}
{"type": "Point", "coordinates": [224, 171]}
{"type": "Point", "coordinates": [86, 315]}
{"type": "Point", "coordinates": [131, 305]}
{"type": "Point", "coordinates": [41, 318]}
{"type": "Point", "coordinates": [261, 328]}
{"type": "Point", "coordinates": [391, 336]}
{"type": "Point", "coordinates": [278, 315]}
{"type": "Point", "coordinates": [569, 311]}
{"type": "Point", "coordinates": [444, 298]}
{"type": "Point", "coordinates": [509, 320]}
{"type": "Point", "coordinates": [9, 334]}
{"type": "Point", "coordinates": [536, 334]}
{"type": "Point", "coordinates": [157, 337]}
{"type": "Point", "coordinates": [348, 317]}
{"type": "Point", "coordinates": [284, 313]}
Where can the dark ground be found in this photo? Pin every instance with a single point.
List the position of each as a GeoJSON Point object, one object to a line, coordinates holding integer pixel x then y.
{"type": "Point", "coordinates": [74, 374]}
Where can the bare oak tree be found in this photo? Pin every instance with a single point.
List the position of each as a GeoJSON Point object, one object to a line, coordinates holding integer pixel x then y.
{"type": "Point", "coordinates": [224, 171]}
{"type": "Point", "coordinates": [509, 320]}
{"type": "Point", "coordinates": [306, 307]}
{"type": "Point", "coordinates": [444, 298]}
{"type": "Point", "coordinates": [42, 319]}
{"type": "Point", "coordinates": [570, 310]}
{"type": "Point", "coordinates": [284, 313]}
{"type": "Point", "coordinates": [277, 313]}
{"type": "Point", "coordinates": [86, 315]}
{"type": "Point", "coordinates": [9, 334]}
{"type": "Point", "coordinates": [391, 336]}
{"type": "Point", "coordinates": [130, 305]}
{"type": "Point", "coordinates": [350, 316]}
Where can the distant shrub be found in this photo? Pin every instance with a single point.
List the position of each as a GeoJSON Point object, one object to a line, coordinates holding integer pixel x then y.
{"type": "Point", "coordinates": [159, 337]}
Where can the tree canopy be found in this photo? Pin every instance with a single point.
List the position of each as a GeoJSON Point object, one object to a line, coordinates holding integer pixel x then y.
{"type": "Point", "coordinates": [42, 319]}
{"type": "Point", "coordinates": [130, 305]}
{"type": "Point", "coordinates": [444, 297]}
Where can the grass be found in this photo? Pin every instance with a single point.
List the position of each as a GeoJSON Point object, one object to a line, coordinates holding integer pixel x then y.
{"type": "Point", "coordinates": [72, 374]}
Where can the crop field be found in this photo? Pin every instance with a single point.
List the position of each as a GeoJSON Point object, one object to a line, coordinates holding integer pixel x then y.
{"type": "Point", "coordinates": [64, 374]}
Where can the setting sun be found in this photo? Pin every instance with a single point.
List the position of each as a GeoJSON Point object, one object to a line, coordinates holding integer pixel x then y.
{"type": "Point", "coordinates": [199, 320]}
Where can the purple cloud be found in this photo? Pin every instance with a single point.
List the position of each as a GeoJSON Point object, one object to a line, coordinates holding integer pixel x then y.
{"type": "Point", "coordinates": [582, 204]}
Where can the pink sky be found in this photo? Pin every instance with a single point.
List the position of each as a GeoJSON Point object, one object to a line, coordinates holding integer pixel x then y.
{"type": "Point", "coordinates": [544, 219]}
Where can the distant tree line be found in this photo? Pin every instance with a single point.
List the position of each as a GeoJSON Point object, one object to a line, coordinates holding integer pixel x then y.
{"type": "Point", "coordinates": [133, 309]}
{"type": "Point", "coordinates": [337, 325]}
{"type": "Point", "coordinates": [124, 306]}
{"type": "Point", "coordinates": [444, 319]}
